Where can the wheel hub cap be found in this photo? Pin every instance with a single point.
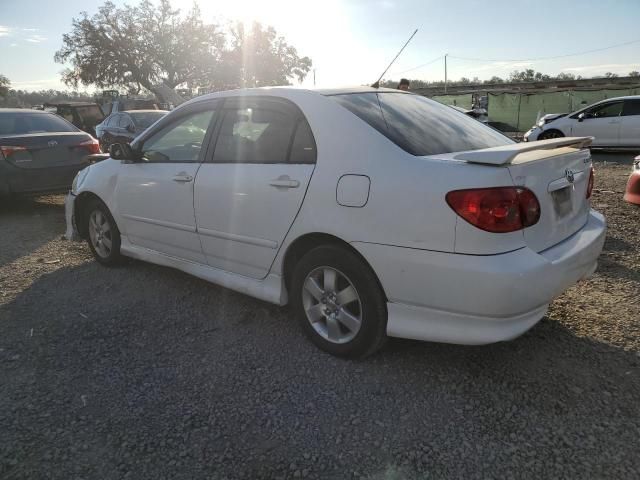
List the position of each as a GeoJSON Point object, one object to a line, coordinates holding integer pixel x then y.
{"type": "Point", "coordinates": [332, 305]}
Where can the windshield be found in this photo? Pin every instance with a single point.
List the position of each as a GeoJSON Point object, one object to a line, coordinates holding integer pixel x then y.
{"type": "Point", "coordinates": [419, 125]}
{"type": "Point", "coordinates": [18, 123]}
{"type": "Point", "coordinates": [146, 119]}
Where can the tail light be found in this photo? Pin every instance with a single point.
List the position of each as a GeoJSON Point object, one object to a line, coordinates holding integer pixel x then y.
{"type": "Point", "coordinates": [10, 150]}
{"type": "Point", "coordinates": [590, 184]}
{"type": "Point", "coordinates": [497, 210]}
{"type": "Point", "coordinates": [92, 145]}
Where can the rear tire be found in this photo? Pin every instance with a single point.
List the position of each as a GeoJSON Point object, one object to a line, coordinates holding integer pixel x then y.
{"type": "Point", "coordinates": [548, 134]}
{"type": "Point", "coordinates": [337, 299]}
{"type": "Point", "coordinates": [103, 235]}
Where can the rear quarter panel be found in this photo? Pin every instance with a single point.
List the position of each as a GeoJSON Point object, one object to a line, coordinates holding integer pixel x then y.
{"type": "Point", "coordinates": [406, 204]}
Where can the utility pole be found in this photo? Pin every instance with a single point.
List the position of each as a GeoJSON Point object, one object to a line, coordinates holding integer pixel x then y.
{"type": "Point", "coordinates": [314, 77]}
{"type": "Point", "coordinates": [445, 72]}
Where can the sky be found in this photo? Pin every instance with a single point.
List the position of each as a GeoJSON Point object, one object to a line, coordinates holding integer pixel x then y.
{"type": "Point", "coordinates": [352, 41]}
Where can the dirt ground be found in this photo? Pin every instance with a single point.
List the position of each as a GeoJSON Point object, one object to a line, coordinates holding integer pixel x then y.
{"type": "Point", "coordinates": [144, 372]}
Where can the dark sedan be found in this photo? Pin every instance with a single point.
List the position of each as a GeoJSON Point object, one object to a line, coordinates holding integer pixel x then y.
{"type": "Point", "coordinates": [40, 151]}
{"type": "Point", "coordinates": [123, 127]}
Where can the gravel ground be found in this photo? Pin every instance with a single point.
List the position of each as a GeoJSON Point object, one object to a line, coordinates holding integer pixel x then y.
{"type": "Point", "coordinates": [143, 372]}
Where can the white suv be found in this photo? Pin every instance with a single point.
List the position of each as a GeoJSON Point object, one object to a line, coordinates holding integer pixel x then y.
{"type": "Point", "coordinates": [613, 123]}
{"type": "Point", "coordinates": [373, 212]}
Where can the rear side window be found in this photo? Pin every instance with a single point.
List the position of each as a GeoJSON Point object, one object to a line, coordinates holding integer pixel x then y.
{"type": "Point", "coordinates": [421, 126]}
{"type": "Point", "coordinates": [123, 120]}
{"type": "Point", "coordinates": [631, 107]}
{"type": "Point", "coordinates": [18, 123]}
{"type": "Point", "coordinates": [303, 146]}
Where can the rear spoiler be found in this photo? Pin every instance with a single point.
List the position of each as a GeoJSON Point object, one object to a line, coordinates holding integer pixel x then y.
{"type": "Point", "coordinates": [505, 154]}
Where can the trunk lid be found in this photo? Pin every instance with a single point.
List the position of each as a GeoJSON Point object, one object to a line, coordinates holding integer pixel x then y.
{"type": "Point", "coordinates": [45, 150]}
{"type": "Point", "coordinates": [557, 172]}
{"type": "Point", "coordinates": [44, 161]}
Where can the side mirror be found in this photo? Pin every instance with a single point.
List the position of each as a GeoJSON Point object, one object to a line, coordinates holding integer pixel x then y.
{"type": "Point", "coordinates": [122, 151]}
{"type": "Point", "coordinates": [581, 117]}
{"type": "Point", "coordinates": [131, 128]}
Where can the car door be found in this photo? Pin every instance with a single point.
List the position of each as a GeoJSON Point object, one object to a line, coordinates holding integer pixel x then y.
{"type": "Point", "coordinates": [155, 195]}
{"type": "Point", "coordinates": [249, 192]}
{"type": "Point", "coordinates": [601, 121]}
{"type": "Point", "coordinates": [630, 126]}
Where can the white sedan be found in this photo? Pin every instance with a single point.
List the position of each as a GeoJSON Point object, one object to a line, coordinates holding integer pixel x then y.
{"type": "Point", "coordinates": [372, 212]}
{"type": "Point", "coordinates": [614, 122]}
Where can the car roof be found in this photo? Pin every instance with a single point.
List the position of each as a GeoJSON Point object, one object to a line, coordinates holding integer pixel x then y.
{"type": "Point", "coordinates": [23, 110]}
{"type": "Point", "coordinates": [151, 110]}
{"type": "Point", "coordinates": [290, 92]}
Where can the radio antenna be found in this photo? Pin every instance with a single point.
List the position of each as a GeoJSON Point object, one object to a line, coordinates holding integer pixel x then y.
{"type": "Point", "coordinates": [377, 83]}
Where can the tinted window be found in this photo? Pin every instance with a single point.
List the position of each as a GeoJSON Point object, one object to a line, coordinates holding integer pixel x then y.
{"type": "Point", "coordinates": [146, 119]}
{"type": "Point", "coordinates": [303, 147]}
{"type": "Point", "coordinates": [631, 107]}
{"type": "Point", "coordinates": [419, 125]}
{"type": "Point", "coordinates": [18, 123]}
{"type": "Point", "coordinates": [605, 111]}
{"type": "Point", "coordinates": [254, 135]}
{"type": "Point", "coordinates": [180, 141]}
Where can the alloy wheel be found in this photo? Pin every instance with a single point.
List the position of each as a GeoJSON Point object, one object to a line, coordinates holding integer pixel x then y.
{"type": "Point", "coordinates": [332, 305]}
{"type": "Point", "coordinates": [100, 233]}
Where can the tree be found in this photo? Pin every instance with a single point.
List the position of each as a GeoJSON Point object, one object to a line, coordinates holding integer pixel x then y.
{"type": "Point", "coordinates": [494, 79]}
{"type": "Point", "coordinates": [259, 57]}
{"type": "Point", "coordinates": [565, 76]}
{"type": "Point", "coordinates": [139, 47]}
{"type": "Point", "coordinates": [611, 75]}
{"type": "Point", "coordinates": [4, 86]}
{"type": "Point", "coordinates": [634, 74]}
{"type": "Point", "coordinates": [156, 48]}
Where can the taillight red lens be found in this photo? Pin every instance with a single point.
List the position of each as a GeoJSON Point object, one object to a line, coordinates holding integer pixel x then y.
{"type": "Point", "coordinates": [590, 184]}
{"type": "Point", "coordinates": [497, 210]}
{"type": "Point", "coordinates": [92, 145]}
{"type": "Point", "coordinates": [11, 149]}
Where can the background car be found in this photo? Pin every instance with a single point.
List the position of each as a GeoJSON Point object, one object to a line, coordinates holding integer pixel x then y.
{"type": "Point", "coordinates": [126, 104]}
{"type": "Point", "coordinates": [632, 192]}
{"type": "Point", "coordinates": [614, 123]}
{"type": "Point", "coordinates": [83, 115]}
{"type": "Point", "coordinates": [123, 127]}
{"type": "Point", "coordinates": [40, 151]}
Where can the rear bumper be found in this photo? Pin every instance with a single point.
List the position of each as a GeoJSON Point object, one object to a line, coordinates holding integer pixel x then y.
{"type": "Point", "coordinates": [632, 192]}
{"type": "Point", "coordinates": [471, 299]}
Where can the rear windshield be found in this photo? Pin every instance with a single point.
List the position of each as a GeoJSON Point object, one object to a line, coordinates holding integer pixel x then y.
{"type": "Point", "coordinates": [145, 119]}
{"type": "Point", "coordinates": [419, 125]}
{"type": "Point", "coordinates": [90, 115]}
{"type": "Point", "coordinates": [18, 123]}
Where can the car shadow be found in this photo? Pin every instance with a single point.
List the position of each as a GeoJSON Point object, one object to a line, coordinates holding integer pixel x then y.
{"type": "Point", "coordinates": [29, 222]}
{"type": "Point", "coordinates": [129, 356]}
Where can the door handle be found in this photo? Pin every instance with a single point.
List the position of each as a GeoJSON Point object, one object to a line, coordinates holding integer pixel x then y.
{"type": "Point", "coordinates": [283, 181]}
{"type": "Point", "coordinates": [181, 177]}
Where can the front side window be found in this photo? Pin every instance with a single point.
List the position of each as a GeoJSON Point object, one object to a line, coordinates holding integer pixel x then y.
{"type": "Point", "coordinates": [180, 141]}
{"type": "Point", "coordinates": [144, 120]}
{"type": "Point", "coordinates": [605, 111]}
{"type": "Point", "coordinates": [631, 107]}
{"type": "Point", "coordinates": [254, 135]}
{"type": "Point", "coordinates": [421, 126]}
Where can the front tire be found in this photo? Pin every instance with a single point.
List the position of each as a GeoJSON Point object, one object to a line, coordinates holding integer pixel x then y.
{"type": "Point", "coordinates": [548, 134]}
{"type": "Point", "coordinates": [338, 302]}
{"type": "Point", "coordinates": [103, 235]}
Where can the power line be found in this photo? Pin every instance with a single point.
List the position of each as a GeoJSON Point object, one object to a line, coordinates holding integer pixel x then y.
{"type": "Point", "coordinates": [419, 66]}
{"type": "Point", "coordinates": [546, 58]}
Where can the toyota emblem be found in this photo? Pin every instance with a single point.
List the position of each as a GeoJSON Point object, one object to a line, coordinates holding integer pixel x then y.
{"type": "Point", "coordinates": [569, 175]}
{"type": "Point", "coordinates": [52, 143]}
